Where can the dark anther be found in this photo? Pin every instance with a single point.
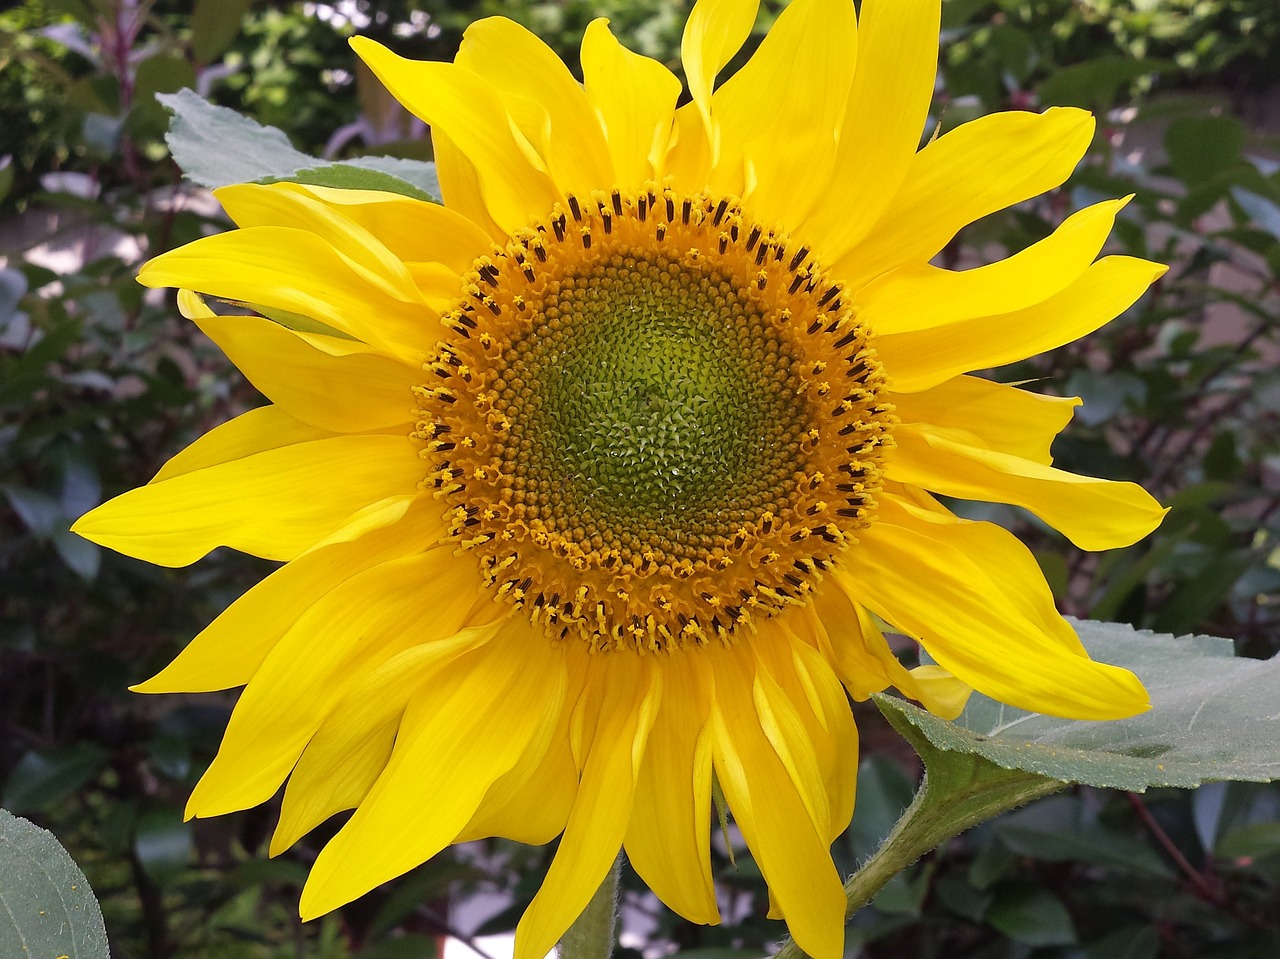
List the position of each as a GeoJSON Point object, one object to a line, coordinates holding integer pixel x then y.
{"type": "Point", "coordinates": [466, 320]}
{"type": "Point", "coordinates": [662, 231]}
{"type": "Point", "coordinates": [586, 239]}
{"type": "Point", "coordinates": [724, 243]}
{"type": "Point", "coordinates": [849, 428]}
{"type": "Point", "coordinates": [847, 339]}
{"type": "Point", "coordinates": [607, 219]}
{"type": "Point", "coordinates": [493, 306]}
{"type": "Point", "coordinates": [795, 283]}
{"type": "Point", "coordinates": [541, 253]}
{"type": "Point", "coordinates": [832, 290]}
{"type": "Point", "coordinates": [686, 211]}
{"type": "Point", "coordinates": [671, 209]}
{"type": "Point", "coordinates": [529, 274]}
{"type": "Point", "coordinates": [856, 369]}
{"type": "Point", "coordinates": [720, 211]}
{"type": "Point", "coordinates": [642, 208]}
{"type": "Point", "coordinates": [798, 258]}
{"type": "Point", "coordinates": [850, 513]}
{"type": "Point", "coordinates": [834, 307]}
{"type": "Point", "coordinates": [574, 208]}
{"type": "Point", "coordinates": [557, 224]}
{"type": "Point", "coordinates": [814, 327]}
{"type": "Point", "coordinates": [617, 203]}
{"type": "Point", "coordinates": [752, 237]}
{"type": "Point", "coordinates": [762, 253]}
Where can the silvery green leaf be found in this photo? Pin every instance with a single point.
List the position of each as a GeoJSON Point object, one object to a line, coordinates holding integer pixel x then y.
{"type": "Point", "coordinates": [46, 905]}
{"type": "Point", "coordinates": [1213, 717]}
{"type": "Point", "coordinates": [216, 146]}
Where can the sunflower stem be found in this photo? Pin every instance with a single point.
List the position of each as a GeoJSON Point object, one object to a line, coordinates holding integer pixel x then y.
{"type": "Point", "coordinates": [591, 935]}
{"type": "Point", "coordinates": [958, 791]}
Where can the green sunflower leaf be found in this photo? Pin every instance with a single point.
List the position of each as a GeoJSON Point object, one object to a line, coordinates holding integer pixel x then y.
{"type": "Point", "coordinates": [216, 146]}
{"type": "Point", "coordinates": [46, 905]}
{"type": "Point", "coordinates": [1213, 717]}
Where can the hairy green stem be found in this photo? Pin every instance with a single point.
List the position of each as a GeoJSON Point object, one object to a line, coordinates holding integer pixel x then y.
{"type": "Point", "coordinates": [591, 935]}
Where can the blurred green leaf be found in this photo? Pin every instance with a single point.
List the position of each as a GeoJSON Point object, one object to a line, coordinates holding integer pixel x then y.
{"type": "Point", "coordinates": [39, 512]}
{"type": "Point", "coordinates": [1263, 212]}
{"type": "Point", "coordinates": [214, 25]}
{"type": "Point", "coordinates": [1096, 83]}
{"type": "Point", "coordinates": [410, 946]}
{"type": "Point", "coordinates": [1060, 829]}
{"type": "Point", "coordinates": [1033, 917]}
{"type": "Point", "coordinates": [13, 286]}
{"type": "Point", "coordinates": [1261, 840]}
{"type": "Point", "coordinates": [6, 178]}
{"type": "Point", "coordinates": [48, 908]}
{"type": "Point", "coordinates": [163, 843]}
{"type": "Point", "coordinates": [1134, 942]}
{"type": "Point", "coordinates": [41, 779]}
{"type": "Point", "coordinates": [1202, 147]}
{"type": "Point", "coordinates": [162, 73]}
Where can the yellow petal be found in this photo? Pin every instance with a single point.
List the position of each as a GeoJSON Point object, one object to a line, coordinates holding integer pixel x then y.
{"type": "Point", "coordinates": [920, 297]}
{"type": "Point", "coordinates": [264, 428]}
{"type": "Point", "coordinates": [632, 687]}
{"type": "Point", "coordinates": [976, 169]}
{"type": "Point", "coordinates": [259, 204]}
{"type": "Point", "coordinates": [545, 769]}
{"type": "Point", "coordinates": [780, 719]}
{"type": "Point", "coordinates": [635, 98]}
{"type": "Point", "coordinates": [782, 110]}
{"type": "Point", "coordinates": [945, 695]}
{"type": "Point", "coordinates": [714, 32]}
{"type": "Point", "coordinates": [794, 858]}
{"type": "Point", "coordinates": [459, 734]}
{"type": "Point", "coordinates": [994, 415]}
{"type": "Point", "coordinates": [809, 683]}
{"type": "Point", "coordinates": [667, 839]}
{"type": "Point", "coordinates": [1093, 513]}
{"type": "Point", "coordinates": [418, 600]}
{"type": "Point", "coordinates": [253, 504]}
{"type": "Point", "coordinates": [922, 359]}
{"type": "Point", "coordinates": [887, 107]}
{"type": "Point", "coordinates": [472, 114]}
{"type": "Point", "coordinates": [230, 649]}
{"type": "Point", "coordinates": [413, 230]}
{"type": "Point", "coordinates": [349, 751]}
{"type": "Point", "coordinates": [345, 394]}
{"type": "Point", "coordinates": [519, 65]}
{"type": "Point", "coordinates": [295, 270]}
{"type": "Point", "coordinates": [974, 596]}
{"type": "Point", "coordinates": [460, 185]}
{"type": "Point", "coordinates": [851, 641]}
{"type": "Point", "coordinates": [688, 159]}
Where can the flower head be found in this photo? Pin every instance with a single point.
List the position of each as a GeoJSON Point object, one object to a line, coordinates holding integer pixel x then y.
{"type": "Point", "coordinates": [598, 480]}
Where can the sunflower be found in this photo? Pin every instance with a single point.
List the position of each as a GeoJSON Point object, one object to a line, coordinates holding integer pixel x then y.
{"type": "Point", "coordinates": [597, 482]}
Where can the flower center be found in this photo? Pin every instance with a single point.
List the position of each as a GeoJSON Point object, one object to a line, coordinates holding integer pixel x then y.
{"type": "Point", "coordinates": [652, 420]}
